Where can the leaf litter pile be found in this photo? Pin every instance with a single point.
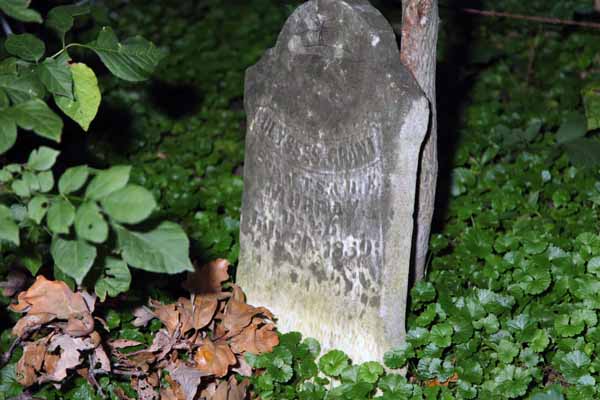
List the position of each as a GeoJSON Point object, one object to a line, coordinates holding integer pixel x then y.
{"type": "Point", "coordinates": [198, 353]}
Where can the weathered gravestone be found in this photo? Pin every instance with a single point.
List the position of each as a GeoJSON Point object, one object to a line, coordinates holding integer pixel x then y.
{"type": "Point", "coordinates": [335, 125]}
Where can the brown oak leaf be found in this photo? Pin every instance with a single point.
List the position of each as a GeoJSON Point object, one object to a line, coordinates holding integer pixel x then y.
{"type": "Point", "coordinates": [205, 308]}
{"type": "Point", "coordinates": [142, 315]}
{"type": "Point", "coordinates": [49, 300]}
{"type": "Point", "coordinates": [168, 315]}
{"type": "Point", "coordinates": [254, 339]}
{"type": "Point", "coordinates": [214, 357]}
{"type": "Point", "coordinates": [239, 315]}
{"type": "Point", "coordinates": [188, 378]}
{"type": "Point", "coordinates": [70, 352]}
{"type": "Point", "coordinates": [31, 362]}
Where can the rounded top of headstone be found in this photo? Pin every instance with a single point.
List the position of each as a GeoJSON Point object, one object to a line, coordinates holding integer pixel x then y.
{"type": "Point", "coordinates": [338, 30]}
{"type": "Point", "coordinates": [336, 62]}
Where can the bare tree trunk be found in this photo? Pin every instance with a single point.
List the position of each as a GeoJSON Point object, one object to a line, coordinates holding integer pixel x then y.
{"type": "Point", "coordinates": [420, 20]}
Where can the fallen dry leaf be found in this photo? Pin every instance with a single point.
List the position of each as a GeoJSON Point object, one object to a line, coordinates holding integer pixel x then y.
{"type": "Point", "coordinates": [435, 382]}
{"type": "Point", "coordinates": [99, 360]}
{"type": "Point", "coordinates": [71, 348]}
{"type": "Point", "coordinates": [208, 278]}
{"type": "Point", "coordinates": [254, 339]}
{"type": "Point", "coordinates": [48, 300]}
{"type": "Point", "coordinates": [123, 343]}
{"type": "Point", "coordinates": [168, 315]}
{"type": "Point", "coordinates": [239, 315]}
{"type": "Point", "coordinates": [14, 283]}
{"type": "Point", "coordinates": [214, 357]}
{"type": "Point", "coordinates": [188, 378]}
{"type": "Point", "coordinates": [144, 390]}
{"type": "Point", "coordinates": [31, 362]}
{"type": "Point", "coordinates": [205, 308]}
{"type": "Point", "coordinates": [143, 315]}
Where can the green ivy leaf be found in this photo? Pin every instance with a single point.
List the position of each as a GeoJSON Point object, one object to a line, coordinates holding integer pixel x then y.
{"type": "Point", "coordinates": [90, 224]}
{"type": "Point", "coordinates": [130, 205]}
{"type": "Point", "coordinates": [35, 115]}
{"type": "Point", "coordinates": [164, 249]}
{"type": "Point", "coordinates": [84, 107]}
{"type": "Point", "coordinates": [441, 335]}
{"type": "Point", "coordinates": [370, 372]}
{"type": "Point", "coordinates": [568, 326]}
{"type": "Point", "coordinates": [422, 292]}
{"type": "Point", "coordinates": [73, 179]}
{"type": "Point", "coordinates": [507, 351]}
{"type": "Point", "coordinates": [18, 9]}
{"type": "Point", "coordinates": [108, 181]}
{"type": "Point", "coordinates": [56, 77]}
{"type": "Point", "coordinates": [25, 46]}
{"type": "Point", "coordinates": [133, 60]}
{"type": "Point", "coordinates": [37, 208]}
{"type": "Point", "coordinates": [42, 158]}
{"type": "Point", "coordinates": [73, 257]}
{"type": "Point", "coordinates": [333, 363]}
{"type": "Point", "coordinates": [540, 341]}
{"type": "Point", "coordinates": [395, 385]}
{"type": "Point", "coordinates": [61, 215]}
{"type": "Point", "coordinates": [8, 131]}
{"type": "Point", "coordinates": [115, 279]}
{"type": "Point", "coordinates": [573, 365]}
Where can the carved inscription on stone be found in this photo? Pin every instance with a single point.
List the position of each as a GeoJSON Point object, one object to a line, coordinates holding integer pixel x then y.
{"type": "Point", "coordinates": [324, 198]}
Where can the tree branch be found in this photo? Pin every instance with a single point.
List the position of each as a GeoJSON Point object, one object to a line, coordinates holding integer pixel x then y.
{"type": "Point", "coordinates": [535, 18]}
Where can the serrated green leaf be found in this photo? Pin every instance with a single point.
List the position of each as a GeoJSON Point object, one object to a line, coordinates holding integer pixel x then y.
{"type": "Point", "coordinates": [333, 362]}
{"type": "Point", "coordinates": [35, 115]}
{"type": "Point", "coordinates": [25, 46]}
{"type": "Point", "coordinates": [73, 257]}
{"type": "Point", "coordinates": [573, 365]}
{"type": "Point", "coordinates": [115, 279]}
{"type": "Point", "coordinates": [130, 205]}
{"type": "Point", "coordinates": [507, 351]}
{"type": "Point", "coordinates": [8, 131]}
{"type": "Point", "coordinates": [56, 77]}
{"type": "Point", "coordinates": [18, 9]}
{"type": "Point", "coordinates": [23, 87]}
{"type": "Point", "coordinates": [84, 107]}
{"type": "Point", "coordinates": [37, 208]}
{"type": "Point", "coordinates": [398, 356]}
{"type": "Point", "coordinates": [164, 249]}
{"type": "Point", "coordinates": [441, 335]}
{"type": "Point", "coordinates": [108, 181]}
{"type": "Point", "coordinates": [61, 215]}
{"type": "Point", "coordinates": [73, 179]}
{"type": "Point", "coordinates": [42, 158]}
{"type": "Point", "coordinates": [133, 60]}
{"type": "Point", "coordinates": [540, 341]}
{"type": "Point", "coordinates": [90, 224]}
{"type": "Point", "coordinates": [370, 372]}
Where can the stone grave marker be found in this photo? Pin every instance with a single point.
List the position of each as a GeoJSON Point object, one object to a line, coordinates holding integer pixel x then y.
{"type": "Point", "coordinates": [335, 126]}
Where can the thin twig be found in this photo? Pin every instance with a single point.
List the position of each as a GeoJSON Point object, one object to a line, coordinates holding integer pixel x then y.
{"type": "Point", "coordinates": [5, 26]}
{"type": "Point", "coordinates": [545, 20]}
